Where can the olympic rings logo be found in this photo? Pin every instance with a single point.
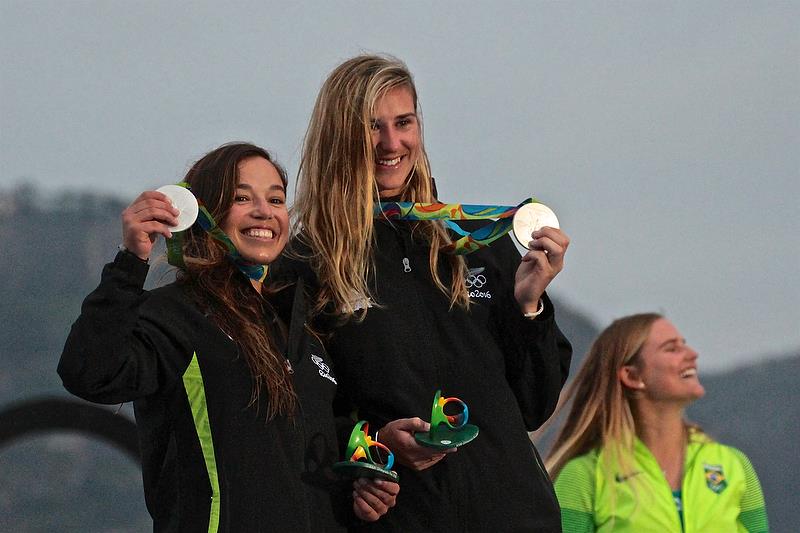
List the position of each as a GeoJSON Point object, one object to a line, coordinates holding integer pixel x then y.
{"type": "Point", "coordinates": [475, 281]}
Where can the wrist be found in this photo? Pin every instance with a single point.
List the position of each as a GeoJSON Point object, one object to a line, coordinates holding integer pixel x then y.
{"type": "Point", "coordinates": [124, 249]}
{"type": "Point", "coordinates": [530, 315]}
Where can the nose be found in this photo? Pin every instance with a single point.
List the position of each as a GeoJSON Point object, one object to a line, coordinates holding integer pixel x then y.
{"type": "Point", "coordinates": [691, 353]}
{"type": "Point", "coordinates": [388, 139]}
{"type": "Point", "coordinates": [262, 209]}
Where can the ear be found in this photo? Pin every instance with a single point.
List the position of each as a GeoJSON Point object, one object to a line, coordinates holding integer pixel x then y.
{"type": "Point", "coordinates": [630, 377]}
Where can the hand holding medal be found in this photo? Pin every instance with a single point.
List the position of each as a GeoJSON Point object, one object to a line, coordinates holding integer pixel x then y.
{"type": "Point", "coordinates": [525, 218]}
{"type": "Point", "coordinates": [184, 201]}
{"type": "Point", "coordinates": [532, 217]}
{"type": "Point", "coordinates": [151, 214]}
{"type": "Point", "coordinates": [170, 210]}
{"type": "Point", "coordinates": [535, 227]}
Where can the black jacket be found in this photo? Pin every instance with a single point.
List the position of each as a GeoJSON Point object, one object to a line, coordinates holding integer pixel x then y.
{"type": "Point", "coordinates": [508, 370]}
{"type": "Point", "coordinates": [199, 434]}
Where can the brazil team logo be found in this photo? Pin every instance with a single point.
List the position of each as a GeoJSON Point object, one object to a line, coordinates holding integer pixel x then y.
{"type": "Point", "coordinates": [715, 477]}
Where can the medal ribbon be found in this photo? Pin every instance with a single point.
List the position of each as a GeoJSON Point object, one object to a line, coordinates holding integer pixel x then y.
{"type": "Point", "coordinates": [207, 222]}
{"type": "Point", "coordinates": [469, 241]}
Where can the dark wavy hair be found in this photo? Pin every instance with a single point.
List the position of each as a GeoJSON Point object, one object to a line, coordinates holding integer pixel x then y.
{"type": "Point", "coordinates": [222, 290]}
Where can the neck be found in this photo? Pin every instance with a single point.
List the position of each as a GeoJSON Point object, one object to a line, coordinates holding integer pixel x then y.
{"type": "Point", "coordinates": [659, 425]}
{"type": "Point", "coordinates": [662, 429]}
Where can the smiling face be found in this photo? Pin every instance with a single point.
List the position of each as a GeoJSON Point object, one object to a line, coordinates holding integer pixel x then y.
{"type": "Point", "coordinates": [666, 366]}
{"type": "Point", "coordinates": [396, 139]}
{"type": "Point", "coordinates": [258, 220]}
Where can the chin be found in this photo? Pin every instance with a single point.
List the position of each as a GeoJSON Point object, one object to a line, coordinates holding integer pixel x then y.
{"type": "Point", "coordinates": [262, 259]}
{"type": "Point", "coordinates": [392, 184]}
{"type": "Point", "coordinates": [694, 395]}
{"type": "Point", "coordinates": [390, 190]}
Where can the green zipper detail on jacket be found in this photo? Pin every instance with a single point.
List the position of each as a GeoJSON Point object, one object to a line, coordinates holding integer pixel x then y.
{"type": "Point", "coordinates": [196, 394]}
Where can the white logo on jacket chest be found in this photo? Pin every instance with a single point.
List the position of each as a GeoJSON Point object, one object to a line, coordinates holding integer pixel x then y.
{"type": "Point", "coordinates": [475, 281]}
{"type": "Point", "coordinates": [324, 370]}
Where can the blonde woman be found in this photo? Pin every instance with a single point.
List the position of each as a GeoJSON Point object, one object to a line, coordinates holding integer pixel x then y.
{"type": "Point", "coordinates": [407, 318]}
{"type": "Point", "coordinates": [627, 460]}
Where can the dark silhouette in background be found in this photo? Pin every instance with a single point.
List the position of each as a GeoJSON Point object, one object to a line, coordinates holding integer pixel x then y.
{"type": "Point", "coordinates": [46, 415]}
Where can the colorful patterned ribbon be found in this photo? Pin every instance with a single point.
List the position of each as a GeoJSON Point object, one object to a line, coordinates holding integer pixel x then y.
{"type": "Point", "coordinates": [469, 241]}
{"type": "Point", "coordinates": [207, 222]}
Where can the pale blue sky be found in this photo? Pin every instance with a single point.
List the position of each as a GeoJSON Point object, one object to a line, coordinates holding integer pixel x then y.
{"type": "Point", "coordinates": [665, 135]}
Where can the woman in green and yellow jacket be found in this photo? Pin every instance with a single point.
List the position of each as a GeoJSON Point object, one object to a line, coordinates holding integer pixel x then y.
{"type": "Point", "coordinates": [627, 460]}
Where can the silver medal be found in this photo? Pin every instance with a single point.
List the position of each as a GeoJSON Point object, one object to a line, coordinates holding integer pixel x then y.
{"type": "Point", "coordinates": [531, 217]}
{"type": "Point", "coordinates": [184, 201]}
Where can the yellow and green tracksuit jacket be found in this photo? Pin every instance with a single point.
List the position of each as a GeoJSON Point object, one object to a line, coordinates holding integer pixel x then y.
{"type": "Point", "coordinates": [720, 492]}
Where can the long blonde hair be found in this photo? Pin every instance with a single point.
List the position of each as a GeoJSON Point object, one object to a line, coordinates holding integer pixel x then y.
{"type": "Point", "coordinates": [337, 189]}
{"type": "Point", "coordinates": [600, 414]}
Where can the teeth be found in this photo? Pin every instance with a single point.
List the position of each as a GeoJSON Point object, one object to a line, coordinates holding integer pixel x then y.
{"type": "Point", "coordinates": [258, 232]}
{"type": "Point", "coordinates": [389, 162]}
{"type": "Point", "coordinates": [689, 373]}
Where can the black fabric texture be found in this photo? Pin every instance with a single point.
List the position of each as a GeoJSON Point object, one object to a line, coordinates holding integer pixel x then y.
{"type": "Point", "coordinates": [134, 345]}
{"type": "Point", "coordinates": [508, 369]}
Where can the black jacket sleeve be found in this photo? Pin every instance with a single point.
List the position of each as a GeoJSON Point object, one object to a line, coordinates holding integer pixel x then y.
{"type": "Point", "coordinates": [537, 354]}
{"type": "Point", "coordinates": [123, 346]}
{"type": "Point", "coordinates": [537, 357]}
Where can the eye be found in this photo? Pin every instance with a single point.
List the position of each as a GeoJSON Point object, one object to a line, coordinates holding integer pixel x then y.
{"type": "Point", "coordinates": [374, 125]}
{"type": "Point", "coordinates": [240, 198]}
{"type": "Point", "coordinates": [402, 123]}
{"type": "Point", "coordinates": [277, 201]}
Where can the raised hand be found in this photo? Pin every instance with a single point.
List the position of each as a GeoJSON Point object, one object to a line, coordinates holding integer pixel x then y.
{"type": "Point", "coordinates": [150, 215]}
{"type": "Point", "coordinates": [544, 260]}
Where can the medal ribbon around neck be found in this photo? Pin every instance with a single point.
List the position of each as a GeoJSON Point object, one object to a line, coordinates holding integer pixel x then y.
{"type": "Point", "coordinates": [469, 241]}
{"type": "Point", "coordinates": [207, 222]}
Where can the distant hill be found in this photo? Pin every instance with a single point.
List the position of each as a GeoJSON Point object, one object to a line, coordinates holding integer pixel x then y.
{"type": "Point", "coordinates": [757, 409]}
{"type": "Point", "coordinates": [52, 254]}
